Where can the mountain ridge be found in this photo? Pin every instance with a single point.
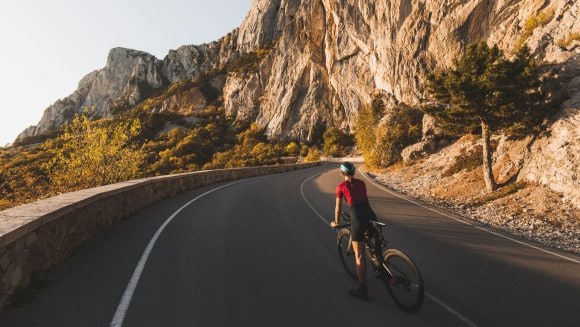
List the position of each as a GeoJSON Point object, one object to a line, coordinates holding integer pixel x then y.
{"type": "Point", "coordinates": [331, 57]}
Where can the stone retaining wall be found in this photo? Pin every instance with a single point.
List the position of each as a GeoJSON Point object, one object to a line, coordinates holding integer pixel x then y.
{"type": "Point", "coordinates": [34, 237]}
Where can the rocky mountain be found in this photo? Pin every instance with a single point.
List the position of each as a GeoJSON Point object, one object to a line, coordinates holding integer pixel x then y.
{"type": "Point", "coordinates": [326, 58]}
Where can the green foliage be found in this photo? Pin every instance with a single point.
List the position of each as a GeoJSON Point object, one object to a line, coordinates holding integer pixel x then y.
{"type": "Point", "coordinates": [184, 149]}
{"type": "Point", "coordinates": [251, 150]}
{"type": "Point", "coordinates": [336, 142]}
{"type": "Point", "coordinates": [88, 155]}
{"type": "Point", "coordinates": [483, 86]}
{"type": "Point", "coordinates": [382, 145]}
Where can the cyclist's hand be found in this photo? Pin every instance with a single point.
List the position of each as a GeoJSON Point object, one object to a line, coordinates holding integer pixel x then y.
{"type": "Point", "coordinates": [333, 224]}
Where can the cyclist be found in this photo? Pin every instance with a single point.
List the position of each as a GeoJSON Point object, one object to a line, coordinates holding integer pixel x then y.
{"type": "Point", "coordinates": [354, 192]}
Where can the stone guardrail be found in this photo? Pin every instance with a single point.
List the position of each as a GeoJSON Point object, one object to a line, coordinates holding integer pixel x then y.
{"type": "Point", "coordinates": [343, 159]}
{"type": "Point", "coordinates": [34, 237]}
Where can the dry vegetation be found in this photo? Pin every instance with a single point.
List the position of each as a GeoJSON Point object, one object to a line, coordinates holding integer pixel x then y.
{"type": "Point", "coordinates": [451, 180]}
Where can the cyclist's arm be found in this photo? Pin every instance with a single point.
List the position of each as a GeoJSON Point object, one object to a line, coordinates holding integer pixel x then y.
{"type": "Point", "coordinates": [337, 210]}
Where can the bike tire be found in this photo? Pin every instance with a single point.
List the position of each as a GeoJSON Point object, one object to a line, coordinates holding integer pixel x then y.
{"type": "Point", "coordinates": [406, 288]}
{"type": "Point", "coordinates": [346, 252]}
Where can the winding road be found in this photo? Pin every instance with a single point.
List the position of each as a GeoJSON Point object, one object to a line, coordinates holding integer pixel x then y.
{"type": "Point", "coordinates": [259, 252]}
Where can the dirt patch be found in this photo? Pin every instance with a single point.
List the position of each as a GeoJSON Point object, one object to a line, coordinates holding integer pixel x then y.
{"type": "Point", "coordinates": [450, 180]}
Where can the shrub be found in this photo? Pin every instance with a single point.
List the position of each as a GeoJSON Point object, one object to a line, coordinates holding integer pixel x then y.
{"type": "Point", "coordinates": [304, 150]}
{"type": "Point", "coordinates": [292, 149]}
{"type": "Point", "coordinates": [89, 155]}
{"type": "Point", "coordinates": [313, 155]}
{"type": "Point", "coordinates": [486, 89]}
{"type": "Point", "coordinates": [336, 142]}
{"type": "Point", "coordinates": [382, 145]}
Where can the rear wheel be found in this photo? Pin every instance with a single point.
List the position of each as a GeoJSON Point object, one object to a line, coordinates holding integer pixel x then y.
{"type": "Point", "coordinates": [346, 252]}
{"type": "Point", "coordinates": [406, 286]}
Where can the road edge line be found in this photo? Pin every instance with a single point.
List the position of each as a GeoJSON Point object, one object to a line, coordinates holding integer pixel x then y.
{"type": "Point", "coordinates": [123, 306]}
{"type": "Point", "coordinates": [364, 173]}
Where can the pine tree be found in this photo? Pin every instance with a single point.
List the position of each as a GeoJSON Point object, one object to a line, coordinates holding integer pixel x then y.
{"type": "Point", "coordinates": [485, 89]}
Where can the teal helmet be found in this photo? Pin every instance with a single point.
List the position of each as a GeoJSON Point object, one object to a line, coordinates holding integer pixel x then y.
{"type": "Point", "coordinates": [347, 168]}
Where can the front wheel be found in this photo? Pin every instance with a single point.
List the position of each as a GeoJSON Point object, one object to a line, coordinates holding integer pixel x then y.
{"type": "Point", "coordinates": [404, 281]}
{"type": "Point", "coordinates": [346, 252]}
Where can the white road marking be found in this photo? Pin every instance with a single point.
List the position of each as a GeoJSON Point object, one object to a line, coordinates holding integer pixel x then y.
{"type": "Point", "coordinates": [465, 222]}
{"type": "Point", "coordinates": [427, 294]}
{"type": "Point", "coordinates": [123, 306]}
{"type": "Point", "coordinates": [308, 202]}
{"type": "Point", "coordinates": [451, 310]}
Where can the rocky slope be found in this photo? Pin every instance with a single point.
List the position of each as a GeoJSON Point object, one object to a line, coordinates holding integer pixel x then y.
{"type": "Point", "coordinates": [332, 56]}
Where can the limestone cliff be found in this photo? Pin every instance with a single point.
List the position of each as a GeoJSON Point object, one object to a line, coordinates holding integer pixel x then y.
{"type": "Point", "coordinates": [331, 56]}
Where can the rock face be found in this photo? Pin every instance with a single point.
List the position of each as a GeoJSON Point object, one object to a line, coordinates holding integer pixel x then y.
{"type": "Point", "coordinates": [330, 56]}
{"type": "Point", "coordinates": [129, 77]}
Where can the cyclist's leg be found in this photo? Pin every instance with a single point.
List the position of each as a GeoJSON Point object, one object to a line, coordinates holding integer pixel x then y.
{"type": "Point", "coordinates": [358, 245]}
{"type": "Point", "coordinates": [357, 233]}
{"type": "Point", "coordinates": [361, 264]}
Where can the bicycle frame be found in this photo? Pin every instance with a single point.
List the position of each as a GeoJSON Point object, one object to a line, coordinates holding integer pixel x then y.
{"type": "Point", "coordinates": [374, 256]}
{"type": "Point", "coordinates": [403, 274]}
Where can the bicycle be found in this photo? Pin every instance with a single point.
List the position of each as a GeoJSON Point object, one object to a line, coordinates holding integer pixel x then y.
{"type": "Point", "coordinates": [394, 268]}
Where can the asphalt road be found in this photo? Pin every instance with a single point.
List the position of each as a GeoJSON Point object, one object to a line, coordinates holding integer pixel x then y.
{"type": "Point", "coordinates": [257, 253]}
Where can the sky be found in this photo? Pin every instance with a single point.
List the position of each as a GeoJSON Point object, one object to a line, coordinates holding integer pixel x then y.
{"type": "Point", "coordinates": [46, 47]}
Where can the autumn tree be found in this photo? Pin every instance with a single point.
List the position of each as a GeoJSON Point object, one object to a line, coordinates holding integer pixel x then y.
{"type": "Point", "coordinates": [292, 149]}
{"type": "Point", "coordinates": [381, 144]}
{"type": "Point", "coordinates": [336, 142]}
{"type": "Point", "coordinates": [88, 154]}
{"type": "Point", "coordinates": [485, 89]}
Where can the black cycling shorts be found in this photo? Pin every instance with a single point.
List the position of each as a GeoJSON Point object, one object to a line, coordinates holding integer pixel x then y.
{"type": "Point", "coordinates": [360, 217]}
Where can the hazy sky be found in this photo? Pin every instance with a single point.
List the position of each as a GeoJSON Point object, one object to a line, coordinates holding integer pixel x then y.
{"type": "Point", "coordinates": [46, 47]}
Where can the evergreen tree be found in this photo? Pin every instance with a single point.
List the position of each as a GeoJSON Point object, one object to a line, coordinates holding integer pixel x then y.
{"type": "Point", "coordinates": [485, 89]}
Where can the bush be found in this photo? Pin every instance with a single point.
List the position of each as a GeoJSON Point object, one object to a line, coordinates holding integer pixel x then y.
{"type": "Point", "coordinates": [313, 155]}
{"type": "Point", "coordinates": [292, 149]}
{"type": "Point", "coordinates": [336, 142]}
{"type": "Point", "coordinates": [304, 150]}
{"type": "Point", "coordinates": [90, 154]}
{"type": "Point", "coordinates": [381, 145]}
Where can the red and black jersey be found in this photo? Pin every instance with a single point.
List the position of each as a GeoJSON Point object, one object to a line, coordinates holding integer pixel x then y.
{"type": "Point", "coordinates": [354, 192]}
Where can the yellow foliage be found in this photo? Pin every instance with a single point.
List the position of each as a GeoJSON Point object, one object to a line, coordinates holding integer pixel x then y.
{"type": "Point", "coordinates": [566, 42]}
{"type": "Point", "coordinates": [292, 149]}
{"type": "Point", "coordinates": [90, 155]}
{"type": "Point", "coordinates": [313, 155]}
